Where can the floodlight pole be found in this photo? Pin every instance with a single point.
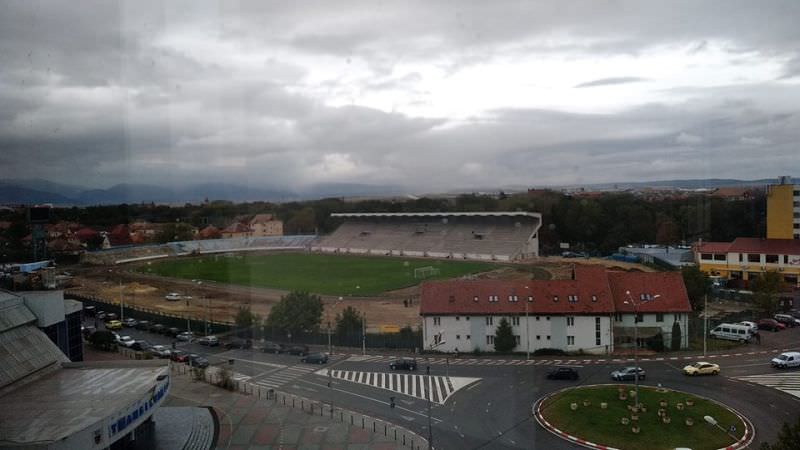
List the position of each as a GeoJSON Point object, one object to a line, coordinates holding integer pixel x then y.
{"type": "Point", "coordinates": [363, 334]}
{"type": "Point", "coordinates": [121, 303]}
{"type": "Point", "coordinates": [705, 324]}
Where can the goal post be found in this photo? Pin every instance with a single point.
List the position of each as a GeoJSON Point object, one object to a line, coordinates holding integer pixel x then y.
{"type": "Point", "coordinates": [425, 272]}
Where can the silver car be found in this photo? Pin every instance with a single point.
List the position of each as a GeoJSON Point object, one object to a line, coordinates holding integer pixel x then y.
{"type": "Point", "coordinates": [628, 373]}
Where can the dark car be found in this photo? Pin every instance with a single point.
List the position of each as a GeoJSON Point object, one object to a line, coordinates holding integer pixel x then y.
{"type": "Point", "coordinates": [273, 347]}
{"type": "Point", "coordinates": [211, 341]}
{"type": "Point", "coordinates": [101, 315]}
{"type": "Point", "coordinates": [141, 346]}
{"type": "Point", "coordinates": [242, 344]}
{"type": "Point", "coordinates": [143, 325]}
{"type": "Point", "coordinates": [563, 373]}
{"type": "Point", "coordinates": [315, 358]}
{"type": "Point", "coordinates": [770, 324]}
{"type": "Point", "coordinates": [158, 328]}
{"type": "Point", "coordinates": [196, 360]}
{"type": "Point", "coordinates": [89, 311]}
{"type": "Point", "coordinates": [179, 356]}
{"type": "Point", "coordinates": [297, 349]}
{"type": "Point", "coordinates": [403, 364]}
{"type": "Point", "coordinates": [130, 322]}
{"type": "Point", "coordinates": [627, 373]}
{"type": "Point", "coordinates": [172, 331]}
{"type": "Point", "coordinates": [111, 316]}
{"type": "Point", "coordinates": [88, 331]}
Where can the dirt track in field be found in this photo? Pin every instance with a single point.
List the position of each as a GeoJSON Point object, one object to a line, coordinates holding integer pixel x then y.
{"type": "Point", "coordinates": [220, 301]}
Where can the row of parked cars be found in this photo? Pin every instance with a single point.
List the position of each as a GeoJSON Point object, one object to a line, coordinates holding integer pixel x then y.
{"type": "Point", "coordinates": [630, 373]}
{"type": "Point", "coordinates": [745, 331]}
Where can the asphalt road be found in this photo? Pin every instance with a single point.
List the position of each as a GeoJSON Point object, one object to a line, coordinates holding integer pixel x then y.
{"type": "Point", "coordinates": [494, 412]}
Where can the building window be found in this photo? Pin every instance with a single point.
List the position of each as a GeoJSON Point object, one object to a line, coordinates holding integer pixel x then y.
{"type": "Point", "coordinates": [639, 317]}
{"type": "Point", "coordinates": [570, 340]}
{"type": "Point", "coordinates": [753, 258]}
{"type": "Point", "coordinates": [596, 331]}
{"type": "Point", "coordinates": [719, 256]}
{"type": "Point", "coordinates": [530, 298]}
{"type": "Point", "coordinates": [458, 318]}
{"type": "Point", "coordinates": [468, 337]}
{"type": "Point", "coordinates": [489, 320]}
{"type": "Point", "coordinates": [458, 337]}
{"type": "Point", "coordinates": [515, 321]}
{"type": "Point", "coordinates": [677, 317]}
{"type": "Point", "coordinates": [618, 317]}
{"type": "Point", "coordinates": [475, 299]}
{"type": "Point", "coordinates": [570, 321]}
{"type": "Point", "coordinates": [659, 317]}
{"type": "Point", "coordinates": [538, 337]}
{"type": "Point", "coordinates": [547, 318]}
{"type": "Point", "coordinates": [555, 298]}
{"type": "Point", "coordinates": [489, 340]}
{"type": "Point", "coordinates": [437, 321]}
{"type": "Point", "coordinates": [513, 298]}
{"type": "Point", "coordinates": [706, 256]}
{"type": "Point", "coordinates": [594, 298]}
{"type": "Point", "coordinates": [466, 318]}
{"type": "Point", "coordinates": [516, 337]}
{"type": "Point", "coordinates": [548, 338]}
{"type": "Point", "coordinates": [772, 259]}
{"type": "Point", "coordinates": [537, 318]}
{"type": "Point", "coordinates": [572, 298]}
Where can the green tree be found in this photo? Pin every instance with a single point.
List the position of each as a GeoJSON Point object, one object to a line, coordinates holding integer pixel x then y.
{"type": "Point", "coordinates": [765, 291]}
{"type": "Point", "coordinates": [173, 232]}
{"type": "Point", "coordinates": [788, 438]}
{"type": "Point", "coordinates": [349, 322]}
{"type": "Point", "coordinates": [103, 340]}
{"type": "Point", "coordinates": [245, 320]}
{"type": "Point", "coordinates": [504, 340]}
{"type": "Point", "coordinates": [295, 312]}
{"type": "Point", "coordinates": [676, 336]}
{"type": "Point", "coordinates": [697, 284]}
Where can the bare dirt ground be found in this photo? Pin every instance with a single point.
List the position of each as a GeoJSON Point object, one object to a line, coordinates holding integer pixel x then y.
{"type": "Point", "coordinates": [221, 301]}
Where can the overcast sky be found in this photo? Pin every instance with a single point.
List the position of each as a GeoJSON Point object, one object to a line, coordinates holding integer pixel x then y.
{"type": "Point", "coordinates": [431, 95]}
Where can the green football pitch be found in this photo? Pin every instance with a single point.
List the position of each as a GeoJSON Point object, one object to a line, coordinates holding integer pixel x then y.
{"type": "Point", "coordinates": [317, 273]}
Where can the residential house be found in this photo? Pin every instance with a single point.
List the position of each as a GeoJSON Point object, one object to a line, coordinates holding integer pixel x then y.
{"type": "Point", "coordinates": [266, 225]}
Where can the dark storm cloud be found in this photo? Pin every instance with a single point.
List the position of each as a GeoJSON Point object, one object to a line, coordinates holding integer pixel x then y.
{"type": "Point", "coordinates": [272, 93]}
{"type": "Point", "coordinates": [611, 81]}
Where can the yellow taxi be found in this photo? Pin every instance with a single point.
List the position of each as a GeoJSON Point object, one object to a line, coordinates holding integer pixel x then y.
{"type": "Point", "coordinates": [701, 368]}
{"type": "Point", "coordinates": [113, 325]}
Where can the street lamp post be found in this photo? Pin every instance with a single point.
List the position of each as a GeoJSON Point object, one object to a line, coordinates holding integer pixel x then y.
{"type": "Point", "coordinates": [635, 304]}
{"type": "Point", "coordinates": [527, 329]}
{"type": "Point", "coordinates": [705, 323]}
{"type": "Point", "coordinates": [428, 390]}
{"type": "Point", "coordinates": [121, 303]}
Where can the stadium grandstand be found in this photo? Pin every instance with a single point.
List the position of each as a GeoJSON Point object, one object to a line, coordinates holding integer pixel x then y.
{"type": "Point", "coordinates": [501, 236]}
{"type": "Point", "coordinates": [121, 255]}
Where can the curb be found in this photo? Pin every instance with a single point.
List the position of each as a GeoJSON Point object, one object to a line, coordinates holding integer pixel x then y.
{"type": "Point", "coordinates": [744, 442]}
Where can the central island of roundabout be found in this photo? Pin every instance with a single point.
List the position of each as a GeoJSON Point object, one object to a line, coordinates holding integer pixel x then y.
{"type": "Point", "coordinates": [607, 417]}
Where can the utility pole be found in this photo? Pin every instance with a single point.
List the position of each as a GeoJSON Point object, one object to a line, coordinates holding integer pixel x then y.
{"type": "Point", "coordinates": [121, 303]}
{"type": "Point", "coordinates": [330, 349]}
{"type": "Point", "coordinates": [705, 323]}
{"type": "Point", "coordinates": [363, 334]}
{"type": "Point", "coordinates": [430, 429]}
{"type": "Point", "coordinates": [527, 333]}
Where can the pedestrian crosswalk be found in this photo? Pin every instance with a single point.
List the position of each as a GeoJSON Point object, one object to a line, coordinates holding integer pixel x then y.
{"type": "Point", "coordinates": [438, 388]}
{"type": "Point", "coordinates": [787, 382]}
{"type": "Point", "coordinates": [279, 377]}
{"type": "Point", "coordinates": [486, 362]}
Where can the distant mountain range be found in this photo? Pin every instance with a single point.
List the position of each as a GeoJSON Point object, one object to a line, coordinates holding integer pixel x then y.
{"type": "Point", "coordinates": [42, 191]}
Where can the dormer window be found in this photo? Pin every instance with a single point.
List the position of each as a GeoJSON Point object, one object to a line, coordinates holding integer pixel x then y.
{"type": "Point", "coordinates": [555, 299]}
{"type": "Point", "coordinates": [594, 298]}
{"type": "Point", "coordinates": [452, 299]}
{"type": "Point", "coordinates": [572, 298]}
{"type": "Point", "coordinates": [530, 299]}
{"type": "Point", "coordinates": [513, 298]}
{"type": "Point", "coordinates": [475, 299]}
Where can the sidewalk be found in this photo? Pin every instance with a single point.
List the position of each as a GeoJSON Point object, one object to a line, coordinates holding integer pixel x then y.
{"type": "Point", "coordinates": [247, 422]}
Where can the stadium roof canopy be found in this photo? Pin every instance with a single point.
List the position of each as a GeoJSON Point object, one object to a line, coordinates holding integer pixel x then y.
{"type": "Point", "coordinates": [445, 214]}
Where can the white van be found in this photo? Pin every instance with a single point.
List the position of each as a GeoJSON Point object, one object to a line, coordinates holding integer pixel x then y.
{"type": "Point", "coordinates": [786, 360]}
{"type": "Point", "coordinates": [732, 332]}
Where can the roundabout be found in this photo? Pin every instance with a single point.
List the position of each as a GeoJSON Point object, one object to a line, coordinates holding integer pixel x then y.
{"type": "Point", "coordinates": [606, 416]}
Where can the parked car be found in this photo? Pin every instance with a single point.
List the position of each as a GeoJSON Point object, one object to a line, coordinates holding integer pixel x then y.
{"type": "Point", "coordinates": [130, 322]}
{"type": "Point", "coordinates": [179, 356]}
{"type": "Point", "coordinates": [297, 349]}
{"type": "Point", "coordinates": [126, 341]}
{"type": "Point", "coordinates": [172, 331]}
{"type": "Point", "coordinates": [113, 325]}
{"type": "Point", "coordinates": [210, 341]}
{"type": "Point", "coordinates": [701, 368]}
{"type": "Point", "coordinates": [101, 315]}
{"type": "Point", "coordinates": [752, 326]}
{"type": "Point", "coordinates": [242, 344]}
{"type": "Point", "coordinates": [186, 336]}
{"type": "Point", "coordinates": [403, 364]}
{"type": "Point", "coordinates": [786, 319]}
{"type": "Point", "coordinates": [160, 351]}
{"type": "Point", "coordinates": [141, 346]}
{"type": "Point", "coordinates": [143, 325]}
{"type": "Point", "coordinates": [786, 360]}
{"type": "Point", "coordinates": [272, 347]}
{"type": "Point", "coordinates": [158, 328]}
{"type": "Point", "coordinates": [87, 331]}
{"type": "Point", "coordinates": [628, 373]}
{"type": "Point", "coordinates": [111, 316]}
{"type": "Point", "coordinates": [196, 360]}
{"type": "Point", "coordinates": [563, 373]}
{"type": "Point", "coordinates": [89, 311]}
{"type": "Point", "coordinates": [315, 358]}
{"type": "Point", "coordinates": [771, 325]}
{"type": "Point", "coordinates": [173, 296]}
